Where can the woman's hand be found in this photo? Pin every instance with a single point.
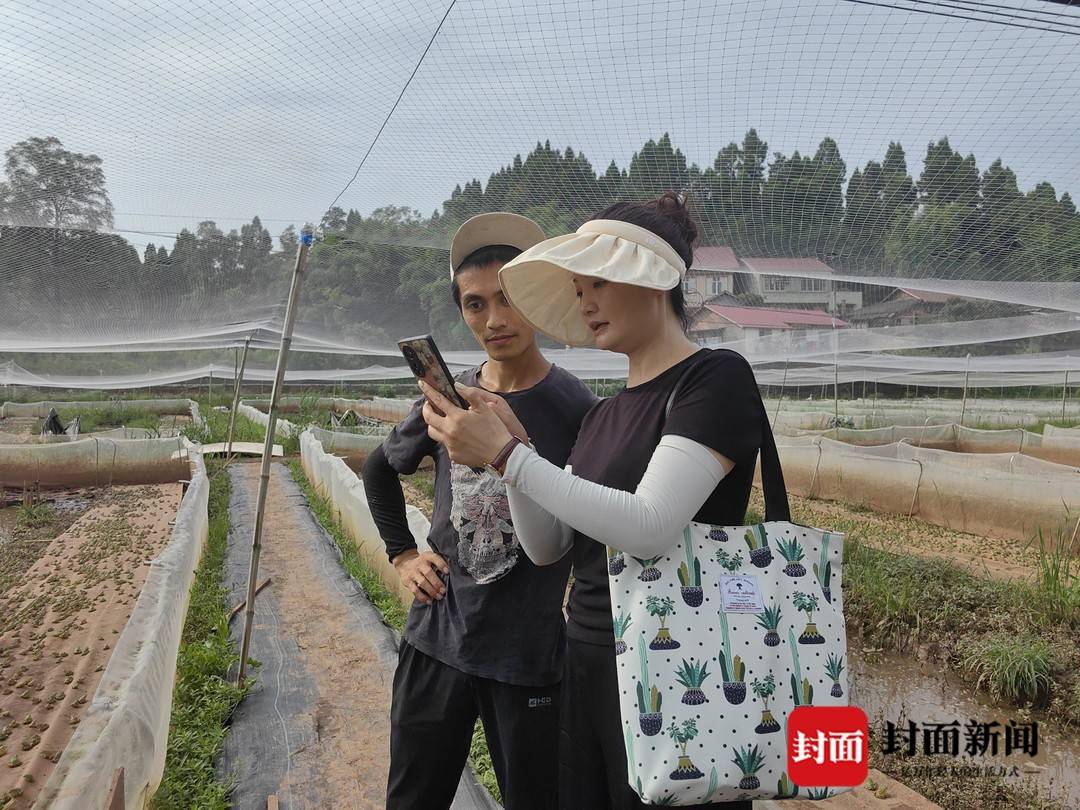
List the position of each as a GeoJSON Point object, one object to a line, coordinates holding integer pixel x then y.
{"type": "Point", "coordinates": [500, 406]}
{"type": "Point", "coordinates": [473, 437]}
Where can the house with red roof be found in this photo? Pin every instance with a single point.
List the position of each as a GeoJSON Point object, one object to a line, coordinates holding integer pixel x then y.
{"type": "Point", "coordinates": [720, 323]}
{"type": "Point", "coordinates": [902, 307]}
{"type": "Point", "coordinates": [798, 283]}
{"type": "Point", "coordinates": [712, 275]}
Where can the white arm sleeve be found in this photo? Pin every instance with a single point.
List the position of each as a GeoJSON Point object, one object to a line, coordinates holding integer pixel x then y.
{"type": "Point", "coordinates": [545, 538]}
{"type": "Point", "coordinates": [681, 475]}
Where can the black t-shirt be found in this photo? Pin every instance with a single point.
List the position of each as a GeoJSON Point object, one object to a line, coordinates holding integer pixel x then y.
{"type": "Point", "coordinates": [501, 617]}
{"type": "Point", "coordinates": [718, 404]}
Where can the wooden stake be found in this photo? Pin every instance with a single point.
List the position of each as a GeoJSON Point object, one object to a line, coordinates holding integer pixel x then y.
{"type": "Point", "coordinates": [236, 401]}
{"type": "Point", "coordinates": [115, 800]}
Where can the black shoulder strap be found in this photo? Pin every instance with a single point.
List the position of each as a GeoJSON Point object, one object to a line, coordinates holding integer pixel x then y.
{"type": "Point", "coordinates": [772, 475]}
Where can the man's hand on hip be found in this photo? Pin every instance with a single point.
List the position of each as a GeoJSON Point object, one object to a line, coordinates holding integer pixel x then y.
{"type": "Point", "coordinates": [420, 573]}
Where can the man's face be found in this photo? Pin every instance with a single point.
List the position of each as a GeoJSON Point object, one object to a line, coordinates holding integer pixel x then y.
{"type": "Point", "coordinates": [497, 328]}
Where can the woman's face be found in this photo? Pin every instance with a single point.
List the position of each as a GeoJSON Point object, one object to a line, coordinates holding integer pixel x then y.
{"type": "Point", "coordinates": [620, 316]}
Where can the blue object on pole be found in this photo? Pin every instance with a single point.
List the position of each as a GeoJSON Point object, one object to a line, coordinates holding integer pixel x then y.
{"type": "Point", "coordinates": [307, 238]}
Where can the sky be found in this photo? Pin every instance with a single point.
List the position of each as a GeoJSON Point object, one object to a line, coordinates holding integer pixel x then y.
{"type": "Point", "coordinates": [222, 111]}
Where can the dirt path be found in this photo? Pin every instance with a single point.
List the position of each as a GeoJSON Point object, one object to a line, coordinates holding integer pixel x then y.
{"type": "Point", "coordinates": [315, 730]}
{"type": "Point", "coordinates": [59, 620]}
{"type": "Point", "coordinates": [1000, 559]}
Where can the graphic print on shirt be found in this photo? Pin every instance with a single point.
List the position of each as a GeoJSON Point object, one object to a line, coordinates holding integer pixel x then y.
{"type": "Point", "coordinates": [480, 512]}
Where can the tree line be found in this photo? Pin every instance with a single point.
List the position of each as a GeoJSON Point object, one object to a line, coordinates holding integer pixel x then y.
{"type": "Point", "coordinates": [376, 277]}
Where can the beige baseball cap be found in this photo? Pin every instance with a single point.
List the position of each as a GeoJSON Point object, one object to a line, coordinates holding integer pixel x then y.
{"type": "Point", "coordinates": [497, 228]}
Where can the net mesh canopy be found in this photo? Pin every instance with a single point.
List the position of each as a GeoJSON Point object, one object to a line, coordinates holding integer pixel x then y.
{"type": "Point", "coordinates": [883, 189]}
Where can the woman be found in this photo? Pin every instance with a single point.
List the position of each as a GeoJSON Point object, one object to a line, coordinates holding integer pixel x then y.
{"type": "Point", "coordinates": [638, 472]}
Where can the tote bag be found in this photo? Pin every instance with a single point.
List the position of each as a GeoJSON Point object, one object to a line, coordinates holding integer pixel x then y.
{"type": "Point", "coordinates": [717, 641]}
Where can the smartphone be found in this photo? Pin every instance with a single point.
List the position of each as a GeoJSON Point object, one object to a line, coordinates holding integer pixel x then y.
{"type": "Point", "coordinates": [427, 364]}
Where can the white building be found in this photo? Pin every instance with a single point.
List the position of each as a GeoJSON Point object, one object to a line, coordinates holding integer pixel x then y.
{"type": "Point", "coordinates": [809, 286]}
{"type": "Point", "coordinates": [713, 274]}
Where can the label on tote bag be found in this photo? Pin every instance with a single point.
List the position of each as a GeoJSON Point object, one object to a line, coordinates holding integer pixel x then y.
{"type": "Point", "coordinates": [740, 593]}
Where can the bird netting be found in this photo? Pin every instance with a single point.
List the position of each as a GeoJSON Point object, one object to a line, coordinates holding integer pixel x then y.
{"type": "Point", "coordinates": [883, 188]}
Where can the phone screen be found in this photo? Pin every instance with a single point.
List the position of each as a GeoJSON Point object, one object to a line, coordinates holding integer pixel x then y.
{"type": "Point", "coordinates": [427, 364]}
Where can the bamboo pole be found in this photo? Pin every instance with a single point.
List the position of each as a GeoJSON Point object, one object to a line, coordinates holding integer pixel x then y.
{"type": "Point", "coordinates": [307, 237]}
{"type": "Point", "coordinates": [783, 383]}
{"type": "Point", "coordinates": [836, 391]}
{"type": "Point", "coordinates": [236, 401]}
{"type": "Point", "coordinates": [967, 374]}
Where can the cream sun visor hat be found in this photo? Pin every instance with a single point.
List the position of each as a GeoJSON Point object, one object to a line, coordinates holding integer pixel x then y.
{"type": "Point", "coordinates": [539, 283]}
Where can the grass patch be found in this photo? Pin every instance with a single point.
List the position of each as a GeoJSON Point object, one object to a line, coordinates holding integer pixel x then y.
{"type": "Point", "coordinates": [1013, 668]}
{"type": "Point", "coordinates": [112, 417]}
{"type": "Point", "coordinates": [204, 697]}
{"type": "Point", "coordinates": [1058, 579]}
{"type": "Point", "coordinates": [388, 604]}
{"type": "Point", "coordinates": [34, 516]}
{"type": "Point", "coordinates": [217, 428]}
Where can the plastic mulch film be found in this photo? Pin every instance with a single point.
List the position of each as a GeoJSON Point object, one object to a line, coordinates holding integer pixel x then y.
{"type": "Point", "coordinates": [332, 478]}
{"type": "Point", "coordinates": [794, 421]}
{"type": "Point", "coordinates": [1045, 408]}
{"type": "Point", "coordinates": [283, 427]}
{"type": "Point", "coordinates": [1050, 431]}
{"type": "Point", "coordinates": [335, 442]}
{"type": "Point", "coordinates": [352, 448]}
{"type": "Point", "coordinates": [127, 724]}
{"type": "Point", "coordinates": [62, 438]}
{"type": "Point", "coordinates": [1051, 446]}
{"type": "Point", "coordinates": [293, 404]}
{"type": "Point", "coordinates": [1002, 495]}
{"type": "Point", "coordinates": [94, 462]}
{"type": "Point", "coordinates": [383, 409]}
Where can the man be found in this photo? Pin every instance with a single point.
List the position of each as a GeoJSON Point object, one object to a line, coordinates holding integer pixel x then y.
{"type": "Point", "coordinates": [485, 633]}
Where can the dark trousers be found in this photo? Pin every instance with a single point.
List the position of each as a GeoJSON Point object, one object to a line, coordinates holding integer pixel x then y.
{"type": "Point", "coordinates": [592, 754]}
{"type": "Point", "coordinates": [432, 717]}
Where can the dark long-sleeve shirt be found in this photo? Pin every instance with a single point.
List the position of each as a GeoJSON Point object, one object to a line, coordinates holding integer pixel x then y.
{"type": "Point", "coordinates": [501, 617]}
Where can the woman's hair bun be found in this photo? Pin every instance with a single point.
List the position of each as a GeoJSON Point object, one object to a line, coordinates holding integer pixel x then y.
{"type": "Point", "coordinates": [677, 208]}
{"type": "Point", "coordinates": [668, 216]}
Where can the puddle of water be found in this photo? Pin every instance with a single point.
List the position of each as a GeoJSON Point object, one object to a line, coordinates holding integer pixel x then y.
{"type": "Point", "coordinates": [895, 687]}
{"type": "Point", "coordinates": [71, 504]}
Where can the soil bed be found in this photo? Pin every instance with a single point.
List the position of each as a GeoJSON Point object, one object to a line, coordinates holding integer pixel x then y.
{"type": "Point", "coordinates": [19, 429]}
{"type": "Point", "coordinates": [173, 424]}
{"type": "Point", "coordinates": [1000, 559]}
{"type": "Point", "coordinates": [61, 610]}
{"type": "Point", "coordinates": [25, 534]}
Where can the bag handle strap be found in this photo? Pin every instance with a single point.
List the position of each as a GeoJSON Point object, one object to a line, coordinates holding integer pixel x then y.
{"type": "Point", "coordinates": [772, 474]}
